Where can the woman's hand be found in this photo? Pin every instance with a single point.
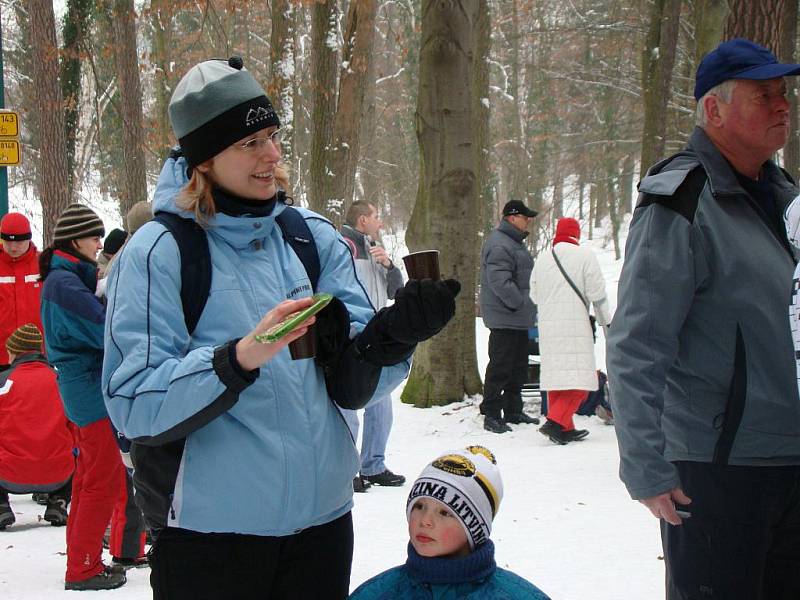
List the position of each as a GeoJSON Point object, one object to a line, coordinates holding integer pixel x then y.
{"type": "Point", "coordinates": [252, 354]}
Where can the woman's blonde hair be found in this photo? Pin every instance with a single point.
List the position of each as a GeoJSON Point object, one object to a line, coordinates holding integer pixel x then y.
{"type": "Point", "coordinates": [196, 196]}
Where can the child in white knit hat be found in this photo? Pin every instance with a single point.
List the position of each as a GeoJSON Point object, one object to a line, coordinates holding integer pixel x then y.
{"type": "Point", "coordinates": [450, 510]}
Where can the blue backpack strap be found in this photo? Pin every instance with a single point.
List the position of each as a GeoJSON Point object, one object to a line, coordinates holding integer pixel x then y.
{"type": "Point", "coordinates": [195, 264]}
{"type": "Point", "coordinates": [298, 235]}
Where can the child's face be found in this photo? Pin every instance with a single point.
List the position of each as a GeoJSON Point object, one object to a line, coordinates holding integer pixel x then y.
{"type": "Point", "coordinates": [435, 531]}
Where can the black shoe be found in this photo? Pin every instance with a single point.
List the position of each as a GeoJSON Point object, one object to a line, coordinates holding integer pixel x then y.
{"type": "Point", "coordinates": [6, 515]}
{"type": "Point", "coordinates": [360, 485]}
{"type": "Point", "coordinates": [40, 498]}
{"type": "Point", "coordinates": [104, 580]}
{"type": "Point", "coordinates": [555, 433]}
{"type": "Point", "coordinates": [386, 478]}
{"type": "Point", "coordinates": [495, 424]}
{"type": "Point", "coordinates": [130, 563]}
{"type": "Point", "coordinates": [576, 435]}
{"type": "Point", "coordinates": [113, 569]}
{"type": "Point", "coordinates": [518, 418]}
{"type": "Point", "coordinates": [56, 513]}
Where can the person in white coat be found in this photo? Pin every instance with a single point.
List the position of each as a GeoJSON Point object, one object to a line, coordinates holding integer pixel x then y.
{"type": "Point", "coordinates": [564, 282]}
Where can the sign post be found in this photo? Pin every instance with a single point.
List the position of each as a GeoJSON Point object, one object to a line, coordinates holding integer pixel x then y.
{"type": "Point", "coordinates": [3, 170]}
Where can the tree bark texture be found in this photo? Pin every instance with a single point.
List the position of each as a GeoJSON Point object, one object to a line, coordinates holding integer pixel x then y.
{"type": "Point", "coordinates": [161, 22]}
{"type": "Point", "coordinates": [324, 47]}
{"type": "Point", "coordinates": [446, 210]}
{"type": "Point", "coordinates": [788, 53]}
{"type": "Point", "coordinates": [658, 59]}
{"type": "Point", "coordinates": [75, 27]}
{"type": "Point", "coordinates": [52, 181]}
{"type": "Point", "coordinates": [126, 61]}
{"type": "Point", "coordinates": [757, 20]}
{"type": "Point", "coordinates": [345, 148]}
{"type": "Point", "coordinates": [281, 82]}
{"type": "Point", "coordinates": [709, 19]}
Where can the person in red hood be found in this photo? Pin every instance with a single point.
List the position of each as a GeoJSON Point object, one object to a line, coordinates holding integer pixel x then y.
{"type": "Point", "coordinates": [19, 278]}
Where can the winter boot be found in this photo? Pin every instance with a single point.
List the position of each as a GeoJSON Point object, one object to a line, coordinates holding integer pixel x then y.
{"type": "Point", "coordinates": [604, 414]}
{"type": "Point", "coordinates": [130, 563]}
{"type": "Point", "coordinates": [386, 478]}
{"type": "Point", "coordinates": [40, 498]}
{"type": "Point", "coordinates": [518, 418]}
{"type": "Point", "coordinates": [104, 580]}
{"type": "Point", "coordinates": [555, 433]}
{"type": "Point", "coordinates": [6, 515]}
{"type": "Point", "coordinates": [56, 512]}
{"type": "Point", "coordinates": [360, 485]}
{"type": "Point", "coordinates": [576, 435]}
{"type": "Point", "coordinates": [495, 424]}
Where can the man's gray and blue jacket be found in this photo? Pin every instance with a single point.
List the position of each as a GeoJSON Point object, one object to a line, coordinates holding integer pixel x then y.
{"type": "Point", "coordinates": [700, 356]}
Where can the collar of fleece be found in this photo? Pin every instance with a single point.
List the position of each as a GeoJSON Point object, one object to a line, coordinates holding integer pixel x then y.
{"type": "Point", "coordinates": [478, 564]}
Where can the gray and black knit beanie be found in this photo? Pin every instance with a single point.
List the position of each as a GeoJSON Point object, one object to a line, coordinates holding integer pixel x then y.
{"type": "Point", "coordinates": [216, 104]}
{"type": "Point", "coordinates": [78, 221]}
{"type": "Point", "coordinates": [27, 338]}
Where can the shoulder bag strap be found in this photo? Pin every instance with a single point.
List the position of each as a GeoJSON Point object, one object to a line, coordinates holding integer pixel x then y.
{"type": "Point", "coordinates": [569, 281]}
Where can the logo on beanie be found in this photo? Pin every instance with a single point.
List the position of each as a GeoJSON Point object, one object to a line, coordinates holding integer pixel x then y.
{"type": "Point", "coordinates": [455, 464]}
{"type": "Point", "coordinates": [483, 451]}
{"type": "Point", "coordinates": [257, 115]}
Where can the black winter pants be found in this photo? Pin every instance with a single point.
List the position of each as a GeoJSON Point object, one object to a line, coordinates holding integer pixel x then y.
{"type": "Point", "coordinates": [742, 541]}
{"type": "Point", "coordinates": [311, 565]}
{"type": "Point", "coordinates": [506, 372]}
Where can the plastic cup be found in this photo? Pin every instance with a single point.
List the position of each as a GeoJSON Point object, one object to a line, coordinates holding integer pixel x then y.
{"type": "Point", "coordinates": [304, 346]}
{"type": "Point", "coordinates": [423, 264]}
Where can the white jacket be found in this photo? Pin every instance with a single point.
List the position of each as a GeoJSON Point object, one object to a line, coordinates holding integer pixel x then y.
{"type": "Point", "coordinates": [565, 336]}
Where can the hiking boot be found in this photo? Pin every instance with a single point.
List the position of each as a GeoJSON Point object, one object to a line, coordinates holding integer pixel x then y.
{"type": "Point", "coordinates": [517, 418]}
{"type": "Point", "coordinates": [130, 563]}
{"type": "Point", "coordinates": [360, 485]}
{"type": "Point", "coordinates": [56, 513]}
{"type": "Point", "coordinates": [386, 478]}
{"type": "Point", "coordinates": [40, 498]}
{"type": "Point", "coordinates": [555, 433]}
{"type": "Point", "coordinates": [6, 515]}
{"type": "Point", "coordinates": [495, 424]}
{"type": "Point", "coordinates": [113, 569]}
{"type": "Point", "coordinates": [104, 580]}
{"type": "Point", "coordinates": [576, 435]}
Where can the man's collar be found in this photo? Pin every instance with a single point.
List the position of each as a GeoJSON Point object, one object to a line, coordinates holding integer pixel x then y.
{"type": "Point", "coordinates": [511, 231]}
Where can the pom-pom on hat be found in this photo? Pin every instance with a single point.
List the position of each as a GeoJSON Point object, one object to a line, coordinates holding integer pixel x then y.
{"type": "Point", "coordinates": [76, 222]}
{"type": "Point", "coordinates": [467, 482]}
{"type": "Point", "coordinates": [15, 227]}
{"type": "Point", "coordinates": [27, 338]}
{"type": "Point", "coordinates": [567, 230]}
{"type": "Point", "coordinates": [215, 104]}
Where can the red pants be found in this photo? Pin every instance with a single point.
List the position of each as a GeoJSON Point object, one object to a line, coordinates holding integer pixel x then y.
{"type": "Point", "coordinates": [98, 490]}
{"type": "Point", "coordinates": [562, 404]}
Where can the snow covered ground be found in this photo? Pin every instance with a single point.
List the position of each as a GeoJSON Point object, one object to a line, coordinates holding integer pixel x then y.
{"type": "Point", "coordinates": [566, 522]}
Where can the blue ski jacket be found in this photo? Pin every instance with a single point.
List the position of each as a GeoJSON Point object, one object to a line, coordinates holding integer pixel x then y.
{"type": "Point", "coordinates": [215, 451]}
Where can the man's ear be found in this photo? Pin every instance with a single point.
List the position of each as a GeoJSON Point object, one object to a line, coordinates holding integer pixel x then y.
{"type": "Point", "coordinates": [712, 108]}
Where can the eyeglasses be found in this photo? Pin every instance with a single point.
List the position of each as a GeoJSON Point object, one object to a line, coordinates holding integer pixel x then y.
{"type": "Point", "coordinates": [259, 143]}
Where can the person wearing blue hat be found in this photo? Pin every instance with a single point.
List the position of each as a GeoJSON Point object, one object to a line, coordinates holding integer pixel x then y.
{"type": "Point", "coordinates": [700, 355]}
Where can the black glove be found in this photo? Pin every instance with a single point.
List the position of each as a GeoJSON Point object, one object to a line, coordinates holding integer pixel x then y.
{"type": "Point", "coordinates": [333, 332]}
{"type": "Point", "coordinates": [421, 310]}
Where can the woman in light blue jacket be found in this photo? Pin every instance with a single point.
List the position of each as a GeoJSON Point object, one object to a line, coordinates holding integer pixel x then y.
{"type": "Point", "coordinates": [244, 466]}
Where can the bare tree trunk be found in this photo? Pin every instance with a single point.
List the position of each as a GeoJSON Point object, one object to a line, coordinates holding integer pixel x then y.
{"type": "Point", "coordinates": [161, 16]}
{"type": "Point", "coordinates": [709, 23]}
{"type": "Point", "coordinates": [281, 84]}
{"type": "Point", "coordinates": [787, 53]}
{"type": "Point", "coordinates": [626, 184]}
{"type": "Point", "coordinates": [757, 20]}
{"type": "Point", "coordinates": [130, 105]}
{"type": "Point", "coordinates": [52, 179]}
{"type": "Point", "coordinates": [446, 205]}
{"type": "Point", "coordinates": [343, 156]}
{"type": "Point", "coordinates": [658, 59]}
{"type": "Point", "coordinates": [323, 75]}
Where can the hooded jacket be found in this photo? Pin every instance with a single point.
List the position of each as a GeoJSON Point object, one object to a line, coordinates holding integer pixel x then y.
{"type": "Point", "coordinates": [215, 449]}
{"type": "Point", "coordinates": [20, 290]}
{"type": "Point", "coordinates": [381, 283]}
{"type": "Point", "coordinates": [35, 441]}
{"type": "Point", "coordinates": [73, 320]}
{"type": "Point", "coordinates": [700, 358]}
{"type": "Point", "coordinates": [506, 267]}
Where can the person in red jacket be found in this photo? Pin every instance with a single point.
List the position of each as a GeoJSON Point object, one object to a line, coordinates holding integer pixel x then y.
{"type": "Point", "coordinates": [19, 278]}
{"type": "Point", "coordinates": [35, 440]}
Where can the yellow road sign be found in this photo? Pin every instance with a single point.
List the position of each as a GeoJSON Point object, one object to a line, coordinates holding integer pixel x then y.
{"type": "Point", "coordinates": [9, 124]}
{"type": "Point", "coordinates": [9, 153]}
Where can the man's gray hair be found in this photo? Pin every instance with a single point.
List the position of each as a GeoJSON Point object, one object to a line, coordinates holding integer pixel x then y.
{"type": "Point", "coordinates": [723, 91]}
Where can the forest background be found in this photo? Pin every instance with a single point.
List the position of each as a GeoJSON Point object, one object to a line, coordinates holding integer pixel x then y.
{"type": "Point", "coordinates": [436, 111]}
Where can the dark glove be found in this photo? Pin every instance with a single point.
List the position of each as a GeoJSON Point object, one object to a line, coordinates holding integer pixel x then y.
{"type": "Point", "coordinates": [421, 310]}
{"type": "Point", "coordinates": [333, 332]}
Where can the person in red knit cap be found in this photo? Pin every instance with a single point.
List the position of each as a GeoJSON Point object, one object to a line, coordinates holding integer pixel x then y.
{"type": "Point", "coordinates": [564, 283]}
{"type": "Point", "coordinates": [35, 439]}
{"type": "Point", "coordinates": [19, 278]}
